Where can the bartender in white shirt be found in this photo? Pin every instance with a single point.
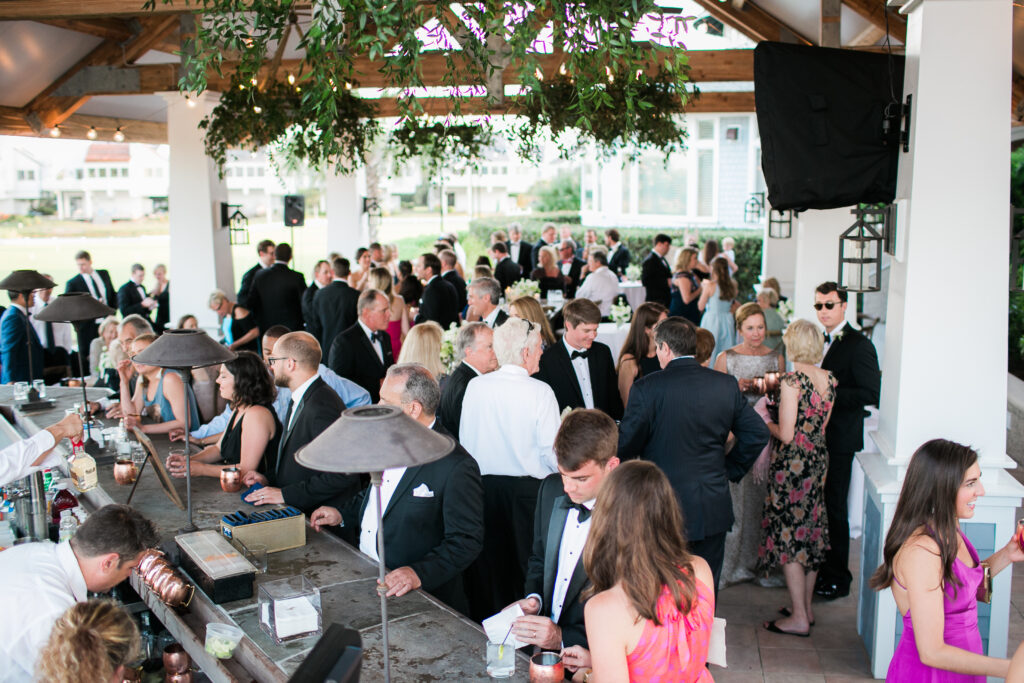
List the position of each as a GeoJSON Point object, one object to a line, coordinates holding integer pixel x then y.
{"type": "Point", "coordinates": [601, 286]}
{"type": "Point", "coordinates": [37, 452]}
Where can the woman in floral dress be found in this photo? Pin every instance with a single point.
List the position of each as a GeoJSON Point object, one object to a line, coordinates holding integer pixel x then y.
{"type": "Point", "coordinates": [794, 532]}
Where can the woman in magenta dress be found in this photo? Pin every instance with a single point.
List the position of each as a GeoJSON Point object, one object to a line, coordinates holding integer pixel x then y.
{"type": "Point", "coordinates": [398, 323]}
{"type": "Point", "coordinates": [934, 571]}
{"type": "Point", "coordinates": [653, 604]}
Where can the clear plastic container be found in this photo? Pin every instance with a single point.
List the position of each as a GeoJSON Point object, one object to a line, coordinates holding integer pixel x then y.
{"type": "Point", "coordinates": [222, 639]}
{"type": "Point", "coordinates": [68, 526]}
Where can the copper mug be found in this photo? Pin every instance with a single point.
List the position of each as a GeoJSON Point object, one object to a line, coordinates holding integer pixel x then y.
{"type": "Point", "coordinates": [176, 591]}
{"type": "Point", "coordinates": [176, 660]}
{"type": "Point", "coordinates": [160, 578]}
{"type": "Point", "coordinates": [149, 573]}
{"type": "Point", "coordinates": [184, 677]}
{"type": "Point", "coordinates": [546, 667]}
{"type": "Point", "coordinates": [147, 560]}
{"type": "Point", "coordinates": [125, 472]}
{"type": "Point", "coordinates": [231, 479]}
{"type": "Point", "coordinates": [131, 674]}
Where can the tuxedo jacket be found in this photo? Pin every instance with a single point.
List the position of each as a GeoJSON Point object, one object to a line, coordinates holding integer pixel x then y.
{"type": "Point", "coordinates": [500, 319]}
{"type": "Point", "coordinates": [679, 419]}
{"type": "Point", "coordinates": [307, 307]}
{"type": "Point", "coordinates": [246, 285]}
{"type": "Point", "coordinates": [542, 568]}
{"type": "Point", "coordinates": [163, 311]}
{"type": "Point", "coordinates": [507, 272]}
{"type": "Point", "coordinates": [129, 301]}
{"type": "Point", "coordinates": [89, 330]}
{"type": "Point", "coordinates": [440, 303]}
{"type": "Point", "coordinates": [14, 350]}
{"type": "Point", "coordinates": [304, 488]}
{"type": "Point", "coordinates": [459, 284]}
{"type": "Point", "coordinates": [654, 276]}
{"type": "Point", "coordinates": [556, 371]}
{"type": "Point", "coordinates": [334, 310]}
{"type": "Point", "coordinates": [434, 523]}
{"type": "Point", "coordinates": [353, 357]}
{"type": "Point", "coordinates": [525, 259]}
{"type": "Point", "coordinates": [276, 298]}
{"type": "Point", "coordinates": [450, 409]}
{"type": "Point", "coordinates": [574, 277]}
{"type": "Point", "coordinates": [620, 260]}
{"type": "Point", "coordinates": [852, 360]}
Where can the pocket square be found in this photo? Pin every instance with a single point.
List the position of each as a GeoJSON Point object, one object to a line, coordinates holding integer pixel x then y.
{"type": "Point", "coordinates": [422, 491]}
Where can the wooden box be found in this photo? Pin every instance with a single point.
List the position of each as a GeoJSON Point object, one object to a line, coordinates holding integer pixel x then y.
{"type": "Point", "coordinates": [275, 534]}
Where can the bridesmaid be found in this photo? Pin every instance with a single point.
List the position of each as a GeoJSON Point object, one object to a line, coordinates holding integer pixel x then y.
{"type": "Point", "coordinates": [398, 323]}
{"type": "Point", "coordinates": [716, 296]}
{"type": "Point", "coordinates": [934, 571]}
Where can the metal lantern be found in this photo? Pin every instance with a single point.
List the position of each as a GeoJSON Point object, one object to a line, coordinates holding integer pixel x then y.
{"type": "Point", "coordinates": [860, 253]}
{"type": "Point", "coordinates": [780, 224]}
{"type": "Point", "coordinates": [753, 209]}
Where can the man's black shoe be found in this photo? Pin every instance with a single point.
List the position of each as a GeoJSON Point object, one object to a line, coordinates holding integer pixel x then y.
{"type": "Point", "coordinates": [831, 591]}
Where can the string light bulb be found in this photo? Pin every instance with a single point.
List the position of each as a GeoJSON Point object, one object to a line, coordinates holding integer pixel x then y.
{"type": "Point", "coordinates": [291, 79]}
{"type": "Point", "coordinates": [258, 109]}
{"type": "Point", "coordinates": [55, 132]}
{"type": "Point", "coordinates": [561, 68]}
{"type": "Point", "coordinates": [92, 134]}
{"type": "Point", "coordinates": [190, 102]}
{"type": "Point", "coordinates": [118, 135]}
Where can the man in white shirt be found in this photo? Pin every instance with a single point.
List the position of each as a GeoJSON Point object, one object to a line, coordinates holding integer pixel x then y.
{"type": "Point", "coordinates": [55, 337]}
{"type": "Point", "coordinates": [509, 421]}
{"type": "Point", "coordinates": [555, 577]}
{"type": "Point", "coordinates": [601, 286]}
{"type": "Point", "coordinates": [40, 581]}
{"type": "Point", "coordinates": [37, 452]}
{"type": "Point", "coordinates": [483, 295]}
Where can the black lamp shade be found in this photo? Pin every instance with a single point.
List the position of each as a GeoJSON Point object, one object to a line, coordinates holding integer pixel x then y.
{"type": "Point", "coordinates": [397, 441]}
{"type": "Point", "coordinates": [74, 307]}
{"type": "Point", "coordinates": [26, 281]}
{"type": "Point", "coordinates": [184, 349]}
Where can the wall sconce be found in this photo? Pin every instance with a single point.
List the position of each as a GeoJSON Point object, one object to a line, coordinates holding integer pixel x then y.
{"type": "Point", "coordinates": [753, 208]}
{"type": "Point", "coordinates": [860, 251]}
{"type": "Point", "coordinates": [237, 223]}
{"type": "Point", "coordinates": [780, 224]}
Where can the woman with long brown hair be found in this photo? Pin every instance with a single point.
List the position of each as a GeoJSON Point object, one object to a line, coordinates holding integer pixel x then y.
{"type": "Point", "coordinates": [934, 572]}
{"type": "Point", "coordinates": [92, 642]}
{"type": "Point", "coordinates": [637, 358]}
{"type": "Point", "coordinates": [653, 603]}
{"type": "Point", "coordinates": [685, 286]}
{"type": "Point", "coordinates": [716, 297]}
{"type": "Point", "coordinates": [159, 392]}
{"type": "Point", "coordinates": [528, 308]}
{"type": "Point", "coordinates": [398, 322]}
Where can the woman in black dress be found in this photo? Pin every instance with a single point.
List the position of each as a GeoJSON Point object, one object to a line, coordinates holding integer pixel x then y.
{"type": "Point", "coordinates": [253, 430]}
{"type": "Point", "coordinates": [237, 325]}
{"type": "Point", "coordinates": [637, 358]}
{"type": "Point", "coordinates": [547, 273]}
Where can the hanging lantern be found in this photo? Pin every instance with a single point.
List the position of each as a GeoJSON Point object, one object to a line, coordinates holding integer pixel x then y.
{"type": "Point", "coordinates": [860, 253]}
{"type": "Point", "coordinates": [236, 223]}
{"type": "Point", "coordinates": [780, 224]}
{"type": "Point", "coordinates": [753, 209]}
{"type": "Point", "coordinates": [1016, 246]}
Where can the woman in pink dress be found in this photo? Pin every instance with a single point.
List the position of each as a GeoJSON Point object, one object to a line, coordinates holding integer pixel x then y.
{"type": "Point", "coordinates": [653, 602]}
{"type": "Point", "coordinates": [934, 571]}
{"type": "Point", "coordinates": [398, 323]}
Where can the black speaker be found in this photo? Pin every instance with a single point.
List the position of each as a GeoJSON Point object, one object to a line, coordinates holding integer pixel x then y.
{"type": "Point", "coordinates": [830, 123]}
{"type": "Point", "coordinates": [294, 210]}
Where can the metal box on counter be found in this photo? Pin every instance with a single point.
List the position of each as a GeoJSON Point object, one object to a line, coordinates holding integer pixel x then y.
{"type": "Point", "coordinates": [276, 529]}
{"type": "Point", "coordinates": [217, 568]}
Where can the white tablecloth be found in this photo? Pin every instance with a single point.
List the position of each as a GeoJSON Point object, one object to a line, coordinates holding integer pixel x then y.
{"type": "Point", "coordinates": [635, 293]}
{"type": "Point", "coordinates": [613, 336]}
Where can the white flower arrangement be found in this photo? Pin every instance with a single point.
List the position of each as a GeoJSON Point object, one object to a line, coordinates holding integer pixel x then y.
{"type": "Point", "coordinates": [633, 273]}
{"type": "Point", "coordinates": [522, 288]}
{"type": "Point", "coordinates": [621, 314]}
{"type": "Point", "coordinates": [786, 311]}
{"type": "Point", "coordinates": [448, 346]}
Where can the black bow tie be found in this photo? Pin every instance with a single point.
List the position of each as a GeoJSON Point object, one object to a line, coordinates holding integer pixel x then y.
{"type": "Point", "coordinates": [578, 354]}
{"type": "Point", "coordinates": [828, 338]}
{"type": "Point", "coordinates": [582, 511]}
{"type": "Point", "coordinates": [377, 336]}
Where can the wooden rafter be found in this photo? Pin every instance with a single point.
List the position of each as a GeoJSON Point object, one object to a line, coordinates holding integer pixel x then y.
{"type": "Point", "coordinates": [753, 22]}
{"type": "Point", "coordinates": [875, 11]}
{"type": "Point", "coordinates": [35, 10]}
{"type": "Point", "coordinates": [77, 126]}
{"type": "Point", "coordinates": [112, 28]}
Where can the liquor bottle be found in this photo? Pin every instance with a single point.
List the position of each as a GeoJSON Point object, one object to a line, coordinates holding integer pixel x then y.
{"type": "Point", "coordinates": [83, 468]}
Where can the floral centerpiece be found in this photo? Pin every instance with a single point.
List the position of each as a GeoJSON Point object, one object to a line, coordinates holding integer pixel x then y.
{"type": "Point", "coordinates": [786, 311]}
{"type": "Point", "coordinates": [621, 314]}
{"type": "Point", "coordinates": [448, 347]}
{"type": "Point", "coordinates": [522, 288]}
{"type": "Point", "coordinates": [633, 273]}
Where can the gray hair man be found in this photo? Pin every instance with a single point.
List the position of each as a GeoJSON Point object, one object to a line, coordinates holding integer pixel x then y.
{"type": "Point", "coordinates": [483, 295]}
{"type": "Point", "coordinates": [474, 348]}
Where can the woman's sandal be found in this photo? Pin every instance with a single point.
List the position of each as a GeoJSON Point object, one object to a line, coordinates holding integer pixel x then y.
{"type": "Point", "coordinates": [785, 611]}
{"type": "Point", "coordinates": [770, 626]}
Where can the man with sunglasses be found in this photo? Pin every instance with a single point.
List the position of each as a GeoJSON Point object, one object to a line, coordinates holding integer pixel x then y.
{"type": "Point", "coordinates": [851, 358]}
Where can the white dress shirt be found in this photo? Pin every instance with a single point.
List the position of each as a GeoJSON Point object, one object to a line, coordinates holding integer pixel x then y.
{"type": "Point", "coordinates": [574, 537]}
{"type": "Point", "coordinates": [513, 251]}
{"type": "Point", "coordinates": [509, 421]}
{"type": "Point", "coordinates": [373, 342]}
{"type": "Point", "coordinates": [491, 318]}
{"type": "Point", "coordinates": [38, 583]}
{"type": "Point", "coordinates": [16, 460]}
{"type": "Point", "coordinates": [368, 525]}
{"type": "Point", "coordinates": [601, 287]}
{"type": "Point", "coordinates": [297, 399]}
{"type": "Point", "coordinates": [61, 331]}
{"type": "Point", "coordinates": [582, 368]}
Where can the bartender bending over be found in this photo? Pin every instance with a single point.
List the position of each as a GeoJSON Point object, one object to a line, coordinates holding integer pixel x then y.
{"type": "Point", "coordinates": [36, 453]}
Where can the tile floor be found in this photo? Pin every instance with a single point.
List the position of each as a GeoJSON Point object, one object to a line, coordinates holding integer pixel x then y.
{"type": "Point", "coordinates": [833, 654]}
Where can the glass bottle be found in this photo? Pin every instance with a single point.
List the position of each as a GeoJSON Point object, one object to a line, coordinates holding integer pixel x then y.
{"type": "Point", "coordinates": [83, 469]}
{"type": "Point", "coordinates": [68, 526]}
{"type": "Point", "coordinates": [62, 500]}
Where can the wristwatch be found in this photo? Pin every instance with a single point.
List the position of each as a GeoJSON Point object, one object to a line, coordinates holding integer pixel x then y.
{"type": "Point", "coordinates": [586, 675]}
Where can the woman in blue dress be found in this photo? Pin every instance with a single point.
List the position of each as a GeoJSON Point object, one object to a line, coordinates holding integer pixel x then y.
{"type": "Point", "coordinates": [159, 393]}
{"type": "Point", "coordinates": [685, 286]}
{"type": "Point", "coordinates": [716, 300]}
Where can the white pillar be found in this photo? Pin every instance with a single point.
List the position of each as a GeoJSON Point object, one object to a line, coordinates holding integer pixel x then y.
{"type": "Point", "coordinates": [200, 252]}
{"type": "Point", "coordinates": [944, 371]}
{"type": "Point", "coordinates": [346, 224]}
{"type": "Point", "coordinates": [817, 257]}
{"type": "Point", "coordinates": [778, 258]}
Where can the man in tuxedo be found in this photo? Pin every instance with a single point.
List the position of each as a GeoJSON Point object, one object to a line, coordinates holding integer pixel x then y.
{"type": "Point", "coordinates": [519, 251]}
{"type": "Point", "coordinates": [555, 577]}
{"type": "Point", "coordinates": [15, 335]}
{"type": "Point", "coordinates": [322, 276]}
{"type": "Point", "coordinates": [618, 253]}
{"type": "Point", "coordinates": [265, 252]}
{"type": "Point", "coordinates": [474, 347]}
{"type": "Point", "coordinates": [679, 419]}
{"type": "Point", "coordinates": [440, 301]}
{"type": "Point", "coordinates": [506, 271]}
{"type": "Point", "coordinates": [98, 284]}
{"type": "Point", "coordinates": [589, 242]}
{"type": "Point", "coordinates": [334, 306]}
{"type": "Point", "coordinates": [571, 267]}
{"type": "Point", "coordinates": [449, 274]}
{"type": "Point", "coordinates": [483, 295]}
{"type": "Point", "coordinates": [852, 360]}
{"type": "Point", "coordinates": [509, 421]}
{"type": "Point", "coordinates": [547, 238]}
{"type": "Point", "coordinates": [362, 353]}
{"type": "Point", "coordinates": [132, 298]}
{"type": "Point", "coordinates": [433, 513]}
{"type": "Point", "coordinates": [656, 273]}
{"type": "Point", "coordinates": [600, 286]}
{"type": "Point", "coordinates": [55, 338]}
{"type": "Point", "coordinates": [578, 369]}
{"type": "Point", "coordinates": [276, 294]}
{"type": "Point", "coordinates": [314, 407]}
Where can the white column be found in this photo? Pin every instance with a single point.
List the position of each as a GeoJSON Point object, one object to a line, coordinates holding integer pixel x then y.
{"type": "Point", "coordinates": [346, 223]}
{"type": "Point", "coordinates": [778, 258]}
{"type": "Point", "coordinates": [817, 257]}
{"type": "Point", "coordinates": [945, 376]}
{"type": "Point", "coordinates": [200, 252]}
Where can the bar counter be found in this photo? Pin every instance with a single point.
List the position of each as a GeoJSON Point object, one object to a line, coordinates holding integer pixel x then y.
{"type": "Point", "coordinates": [428, 640]}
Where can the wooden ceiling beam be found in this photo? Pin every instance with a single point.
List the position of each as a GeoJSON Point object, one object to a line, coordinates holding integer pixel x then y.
{"type": "Point", "coordinates": [115, 29]}
{"type": "Point", "coordinates": [76, 127]}
{"type": "Point", "coordinates": [875, 11]}
{"type": "Point", "coordinates": [753, 22]}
